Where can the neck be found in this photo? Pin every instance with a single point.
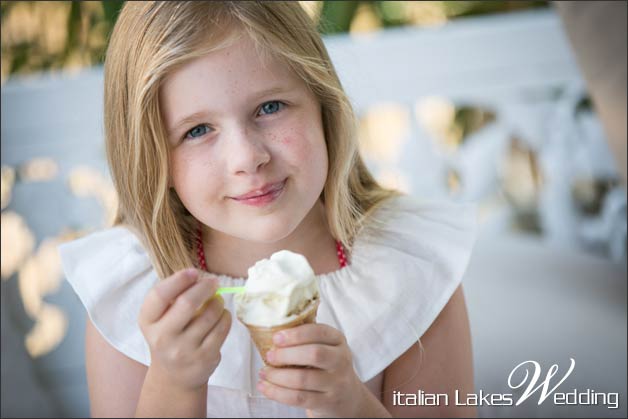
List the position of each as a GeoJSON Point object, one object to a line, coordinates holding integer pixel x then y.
{"type": "Point", "coordinates": [232, 256]}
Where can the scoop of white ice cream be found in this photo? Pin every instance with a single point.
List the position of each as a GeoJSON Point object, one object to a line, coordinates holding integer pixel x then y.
{"type": "Point", "coordinates": [276, 290]}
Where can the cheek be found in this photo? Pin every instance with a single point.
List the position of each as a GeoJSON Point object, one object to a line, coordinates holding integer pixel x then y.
{"type": "Point", "coordinates": [303, 147]}
{"type": "Point", "coordinates": [293, 147]}
{"type": "Point", "coordinates": [191, 175]}
{"type": "Point", "coordinates": [179, 169]}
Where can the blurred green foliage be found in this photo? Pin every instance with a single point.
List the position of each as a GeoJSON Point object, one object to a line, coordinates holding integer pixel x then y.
{"type": "Point", "coordinates": [46, 35]}
{"type": "Point", "coordinates": [337, 16]}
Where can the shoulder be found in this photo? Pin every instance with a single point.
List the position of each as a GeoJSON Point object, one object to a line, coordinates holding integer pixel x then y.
{"type": "Point", "coordinates": [111, 273]}
{"type": "Point", "coordinates": [107, 243]}
{"type": "Point", "coordinates": [442, 232]}
{"type": "Point", "coordinates": [113, 252]}
{"type": "Point", "coordinates": [399, 213]}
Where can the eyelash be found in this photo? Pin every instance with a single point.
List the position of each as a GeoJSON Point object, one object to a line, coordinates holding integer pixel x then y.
{"type": "Point", "coordinates": [282, 105]}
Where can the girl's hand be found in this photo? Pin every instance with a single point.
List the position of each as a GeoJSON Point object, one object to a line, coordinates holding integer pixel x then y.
{"type": "Point", "coordinates": [183, 329]}
{"type": "Point", "coordinates": [330, 388]}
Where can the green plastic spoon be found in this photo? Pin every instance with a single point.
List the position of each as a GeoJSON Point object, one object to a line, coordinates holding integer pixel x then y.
{"type": "Point", "coordinates": [230, 290]}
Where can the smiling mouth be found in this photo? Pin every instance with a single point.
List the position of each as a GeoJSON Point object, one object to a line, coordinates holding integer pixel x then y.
{"type": "Point", "coordinates": [267, 193]}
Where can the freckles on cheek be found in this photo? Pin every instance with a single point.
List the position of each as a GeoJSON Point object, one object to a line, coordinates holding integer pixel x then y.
{"type": "Point", "coordinates": [285, 140]}
{"type": "Point", "coordinates": [298, 148]}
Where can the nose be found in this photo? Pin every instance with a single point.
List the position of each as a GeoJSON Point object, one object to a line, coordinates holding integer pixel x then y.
{"type": "Point", "coordinates": [248, 152]}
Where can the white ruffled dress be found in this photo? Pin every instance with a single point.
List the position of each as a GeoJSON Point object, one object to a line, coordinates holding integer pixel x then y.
{"type": "Point", "coordinates": [402, 271]}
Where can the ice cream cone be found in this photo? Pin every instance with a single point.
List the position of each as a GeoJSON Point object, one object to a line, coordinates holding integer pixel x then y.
{"type": "Point", "coordinates": [263, 336]}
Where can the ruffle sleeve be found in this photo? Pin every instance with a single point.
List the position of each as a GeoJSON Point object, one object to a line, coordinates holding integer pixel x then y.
{"type": "Point", "coordinates": [406, 264]}
{"type": "Point", "coordinates": [111, 273]}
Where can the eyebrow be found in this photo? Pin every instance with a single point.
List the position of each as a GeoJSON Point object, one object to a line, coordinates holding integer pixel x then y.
{"type": "Point", "coordinates": [202, 114]}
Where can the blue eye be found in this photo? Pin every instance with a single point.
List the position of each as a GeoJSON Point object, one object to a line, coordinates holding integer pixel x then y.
{"type": "Point", "coordinates": [271, 107]}
{"type": "Point", "coordinates": [197, 131]}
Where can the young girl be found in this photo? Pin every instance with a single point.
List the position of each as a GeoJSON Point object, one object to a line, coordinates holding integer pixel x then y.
{"type": "Point", "coordinates": [229, 137]}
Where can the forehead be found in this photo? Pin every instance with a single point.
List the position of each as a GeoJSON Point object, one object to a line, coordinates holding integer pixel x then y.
{"type": "Point", "coordinates": [227, 73]}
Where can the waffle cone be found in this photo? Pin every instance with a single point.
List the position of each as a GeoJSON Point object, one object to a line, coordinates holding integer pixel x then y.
{"type": "Point", "coordinates": [263, 336]}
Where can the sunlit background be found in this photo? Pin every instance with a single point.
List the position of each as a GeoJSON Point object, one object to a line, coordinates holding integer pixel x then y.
{"type": "Point", "coordinates": [469, 101]}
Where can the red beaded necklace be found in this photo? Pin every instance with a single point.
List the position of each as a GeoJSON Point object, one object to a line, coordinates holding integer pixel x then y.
{"type": "Point", "coordinates": [340, 250]}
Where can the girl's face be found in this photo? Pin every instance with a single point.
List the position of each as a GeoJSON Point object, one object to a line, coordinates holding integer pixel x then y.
{"type": "Point", "coordinates": [248, 154]}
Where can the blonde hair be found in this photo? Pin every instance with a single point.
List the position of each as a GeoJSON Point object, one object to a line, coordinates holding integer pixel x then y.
{"type": "Point", "coordinates": [151, 40]}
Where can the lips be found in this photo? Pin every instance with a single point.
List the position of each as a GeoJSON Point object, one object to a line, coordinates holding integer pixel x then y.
{"type": "Point", "coordinates": [264, 190]}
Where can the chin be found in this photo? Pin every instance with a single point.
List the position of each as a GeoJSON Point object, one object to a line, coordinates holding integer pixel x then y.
{"type": "Point", "coordinates": [268, 232]}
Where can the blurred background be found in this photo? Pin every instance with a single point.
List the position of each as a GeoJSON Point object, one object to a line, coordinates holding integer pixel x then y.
{"type": "Point", "coordinates": [518, 106]}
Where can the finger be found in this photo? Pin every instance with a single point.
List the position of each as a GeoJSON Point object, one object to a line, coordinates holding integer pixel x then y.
{"type": "Point", "coordinates": [164, 293]}
{"type": "Point", "coordinates": [308, 333]}
{"type": "Point", "coordinates": [217, 335]}
{"type": "Point", "coordinates": [300, 398]}
{"type": "Point", "coordinates": [198, 328]}
{"type": "Point", "coordinates": [297, 378]}
{"type": "Point", "coordinates": [312, 355]}
{"type": "Point", "coordinates": [202, 276]}
{"type": "Point", "coordinates": [186, 305]}
{"type": "Point", "coordinates": [205, 304]}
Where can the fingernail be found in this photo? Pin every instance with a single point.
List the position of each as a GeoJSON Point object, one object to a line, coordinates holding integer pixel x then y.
{"type": "Point", "coordinates": [270, 356]}
{"type": "Point", "coordinates": [279, 338]}
{"type": "Point", "coordinates": [260, 385]}
{"type": "Point", "coordinates": [191, 273]}
{"type": "Point", "coordinates": [262, 373]}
